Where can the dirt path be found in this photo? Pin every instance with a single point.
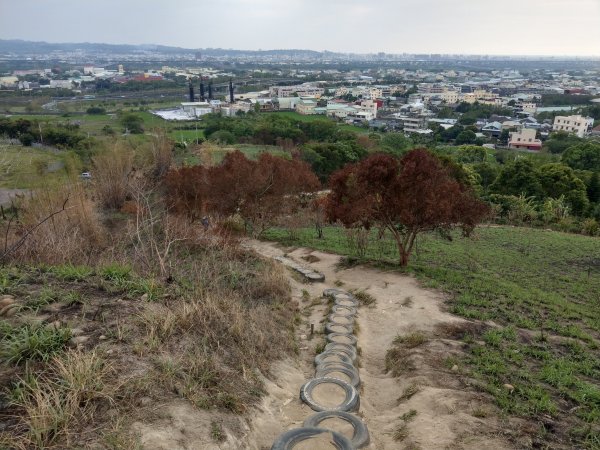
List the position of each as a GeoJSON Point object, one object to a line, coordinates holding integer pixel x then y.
{"type": "Point", "coordinates": [445, 406]}
{"type": "Point", "coordinates": [443, 412]}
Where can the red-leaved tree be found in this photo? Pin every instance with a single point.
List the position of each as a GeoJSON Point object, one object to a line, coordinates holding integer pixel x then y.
{"type": "Point", "coordinates": [259, 191]}
{"type": "Point", "coordinates": [407, 197]}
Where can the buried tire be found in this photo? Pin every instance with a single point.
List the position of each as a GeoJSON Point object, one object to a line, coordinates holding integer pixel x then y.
{"type": "Point", "coordinates": [346, 349]}
{"type": "Point", "coordinates": [351, 401]}
{"type": "Point", "coordinates": [332, 356]}
{"type": "Point", "coordinates": [360, 436]}
{"type": "Point", "coordinates": [342, 310]}
{"type": "Point", "coordinates": [289, 439]}
{"type": "Point", "coordinates": [342, 338]}
{"type": "Point", "coordinates": [334, 327]}
{"type": "Point", "coordinates": [326, 371]}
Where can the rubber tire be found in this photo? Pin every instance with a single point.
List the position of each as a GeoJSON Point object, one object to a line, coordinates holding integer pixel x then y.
{"type": "Point", "coordinates": [347, 302]}
{"type": "Point", "coordinates": [344, 310]}
{"type": "Point", "coordinates": [329, 325]}
{"type": "Point", "coordinates": [320, 358]}
{"type": "Point", "coordinates": [346, 349]}
{"type": "Point", "coordinates": [289, 439]}
{"type": "Point", "coordinates": [331, 292]}
{"type": "Point", "coordinates": [351, 337]}
{"type": "Point", "coordinates": [350, 403]}
{"type": "Point", "coordinates": [360, 437]}
{"type": "Point", "coordinates": [327, 364]}
{"type": "Point", "coordinates": [351, 373]}
{"type": "Point", "coordinates": [333, 316]}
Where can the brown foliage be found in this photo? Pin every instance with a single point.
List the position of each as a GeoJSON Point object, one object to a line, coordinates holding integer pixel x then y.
{"type": "Point", "coordinates": [112, 170]}
{"type": "Point", "coordinates": [406, 197]}
{"type": "Point", "coordinates": [259, 191]}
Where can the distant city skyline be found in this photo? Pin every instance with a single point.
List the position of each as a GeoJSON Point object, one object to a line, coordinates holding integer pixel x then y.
{"type": "Point", "coordinates": [513, 27]}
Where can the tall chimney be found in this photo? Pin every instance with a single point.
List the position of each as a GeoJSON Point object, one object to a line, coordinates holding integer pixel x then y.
{"type": "Point", "coordinates": [230, 91]}
{"type": "Point", "coordinates": [191, 92]}
{"type": "Point", "coordinates": [202, 89]}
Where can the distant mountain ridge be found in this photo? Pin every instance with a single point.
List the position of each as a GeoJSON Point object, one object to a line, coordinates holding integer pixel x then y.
{"type": "Point", "coordinates": [19, 46]}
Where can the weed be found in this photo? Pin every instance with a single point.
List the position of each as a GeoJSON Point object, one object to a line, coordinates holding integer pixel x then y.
{"type": "Point", "coordinates": [407, 302]}
{"type": "Point", "coordinates": [338, 283]}
{"type": "Point", "coordinates": [411, 340]}
{"type": "Point", "coordinates": [401, 432]}
{"type": "Point", "coordinates": [305, 295]}
{"type": "Point", "coordinates": [408, 392]}
{"type": "Point", "coordinates": [45, 297]}
{"type": "Point", "coordinates": [65, 396]}
{"type": "Point", "coordinates": [33, 342]}
{"type": "Point", "coordinates": [216, 432]}
{"type": "Point", "coordinates": [70, 272]}
{"type": "Point", "coordinates": [480, 413]}
{"type": "Point", "coordinates": [364, 298]}
{"type": "Point", "coordinates": [117, 273]}
{"type": "Point", "coordinates": [408, 416]}
{"type": "Point", "coordinates": [73, 298]}
{"type": "Point", "coordinates": [320, 348]}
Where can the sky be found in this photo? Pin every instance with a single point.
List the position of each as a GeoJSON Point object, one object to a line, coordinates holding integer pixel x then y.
{"type": "Point", "coordinates": [507, 27]}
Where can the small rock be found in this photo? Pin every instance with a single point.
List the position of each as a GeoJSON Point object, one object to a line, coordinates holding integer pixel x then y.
{"type": "Point", "coordinates": [454, 368]}
{"type": "Point", "coordinates": [6, 300]}
{"type": "Point", "coordinates": [78, 340]}
{"type": "Point", "coordinates": [110, 351]}
{"type": "Point", "coordinates": [102, 337]}
{"type": "Point", "coordinates": [144, 298]}
{"type": "Point", "coordinates": [303, 337]}
{"type": "Point", "coordinates": [509, 387]}
{"type": "Point", "coordinates": [54, 325]}
{"type": "Point", "coordinates": [10, 310]}
{"type": "Point", "coordinates": [76, 332]}
{"type": "Point", "coordinates": [145, 401]}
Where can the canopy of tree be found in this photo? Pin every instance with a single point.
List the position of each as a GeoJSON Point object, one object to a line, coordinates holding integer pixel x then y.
{"type": "Point", "coordinates": [406, 197]}
{"type": "Point", "coordinates": [258, 191]}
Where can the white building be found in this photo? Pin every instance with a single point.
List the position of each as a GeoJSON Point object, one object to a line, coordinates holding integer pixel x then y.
{"type": "Point", "coordinates": [576, 124]}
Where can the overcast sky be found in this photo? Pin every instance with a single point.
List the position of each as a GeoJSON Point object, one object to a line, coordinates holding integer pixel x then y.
{"type": "Point", "coordinates": [520, 27]}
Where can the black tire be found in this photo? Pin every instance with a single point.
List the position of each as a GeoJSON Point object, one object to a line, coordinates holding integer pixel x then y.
{"type": "Point", "coordinates": [350, 403]}
{"type": "Point", "coordinates": [351, 373]}
{"type": "Point", "coordinates": [330, 292]}
{"type": "Point", "coordinates": [360, 437]}
{"type": "Point", "coordinates": [342, 338]}
{"type": "Point", "coordinates": [340, 318]}
{"type": "Point", "coordinates": [344, 310]}
{"type": "Point", "coordinates": [333, 327]}
{"type": "Point", "coordinates": [346, 302]}
{"type": "Point", "coordinates": [337, 357]}
{"type": "Point", "coordinates": [289, 439]}
{"type": "Point", "coordinates": [346, 349]}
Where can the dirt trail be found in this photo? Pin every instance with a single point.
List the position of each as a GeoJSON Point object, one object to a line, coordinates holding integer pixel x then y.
{"type": "Point", "coordinates": [445, 405]}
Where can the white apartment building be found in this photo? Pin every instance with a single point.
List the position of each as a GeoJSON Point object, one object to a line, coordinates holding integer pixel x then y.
{"type": "Point", "coordinates": [576, 124]}
{"type": "Point", "coordinates": [303, 90]}
{"type": "Point", "coordinates": [450, 97]}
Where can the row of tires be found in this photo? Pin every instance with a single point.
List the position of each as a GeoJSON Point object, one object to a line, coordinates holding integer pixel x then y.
{"type": "Point", "coordinates": [309, 274]}
{"type": "Point", "coordinates": [336, 367]}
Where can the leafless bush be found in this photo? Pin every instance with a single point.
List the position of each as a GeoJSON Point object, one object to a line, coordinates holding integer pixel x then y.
{"type": "Point", "coordinates": [112, 170]}
{"type": "Point", "coordinates": [54, 226]}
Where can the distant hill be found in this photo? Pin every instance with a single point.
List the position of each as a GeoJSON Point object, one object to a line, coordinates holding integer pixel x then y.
{"type": "Point", "coordinates": [19, 47]}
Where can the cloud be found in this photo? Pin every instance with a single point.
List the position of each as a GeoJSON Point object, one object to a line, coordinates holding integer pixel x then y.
{"type": "Point", "coordinates": [394, 26]}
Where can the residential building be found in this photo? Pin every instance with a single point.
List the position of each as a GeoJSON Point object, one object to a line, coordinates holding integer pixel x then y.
{"type": "Point", "coordinates": [575, 124]}
{"type": "Point", "coordinates": [306, 106]}
{"type": "Point", "coordinates": [525, 140]}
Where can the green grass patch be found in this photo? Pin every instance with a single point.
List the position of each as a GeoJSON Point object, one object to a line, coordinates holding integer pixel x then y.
{"type": "Point", "coordinates": [32, 342]}
{"type": "Point", "coordinates": [542, 288]}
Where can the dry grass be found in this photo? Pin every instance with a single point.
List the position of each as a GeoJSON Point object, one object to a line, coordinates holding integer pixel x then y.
{"type": "Point", "coordinates": [57, 403]}
{"type": "Point", "coordinates": [411, 340]}
{"type": "Point", "coordinates": [112, 170]}
{"type": "Point", "coordinates": [72, 235]}
{"type": "Point", "coordinates": [364, 298]}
